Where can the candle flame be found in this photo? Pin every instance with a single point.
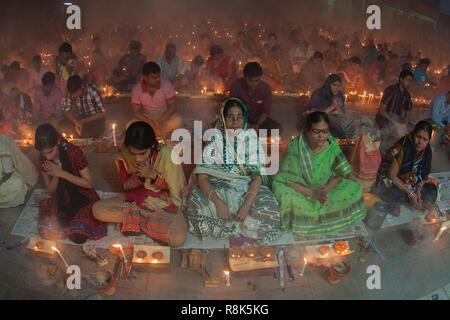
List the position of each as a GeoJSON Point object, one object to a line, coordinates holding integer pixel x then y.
{"type": "Point", "coordinates": [226, 273]}
{"type": "Point", "coordinates": [117, 245]}
{"type": "Point", "coordinates": [139, 259]}
{"type": "Point", "coordinates": [154, 260]}
{"type": "Point", "coordinates": [305, 260]}
{"type": "Point", "coordinates": [55, 249]}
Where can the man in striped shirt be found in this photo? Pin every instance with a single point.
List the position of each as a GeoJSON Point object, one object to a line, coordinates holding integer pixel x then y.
{"type": "Point", "coordinates": [84, 107]}
{"type": "Point", "coordinates": [396, 104]}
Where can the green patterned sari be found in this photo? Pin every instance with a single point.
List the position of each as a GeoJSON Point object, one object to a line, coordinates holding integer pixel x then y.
{"type": "Point", "coordinates": [306, 216]}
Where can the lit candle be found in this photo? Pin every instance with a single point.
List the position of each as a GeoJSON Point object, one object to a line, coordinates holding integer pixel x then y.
{"type": "Point", "coordinates": [60, 255]}
{"type": "Point", "coordinates": [227, 278]}
{"type": "Point", "coordinates": [114, 134]}
{"type": "Point", "coordinates": [304, 267]}
{"type": "Point", "coordinates": [118, 245]}
{"type": "Point", "coordinates": [441, 231]}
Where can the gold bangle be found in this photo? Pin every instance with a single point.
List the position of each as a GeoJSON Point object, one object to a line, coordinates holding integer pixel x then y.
{"type": "Point", "coordinates": [209, 194]}
{"type": "Point", "coordinates": [251, 192]}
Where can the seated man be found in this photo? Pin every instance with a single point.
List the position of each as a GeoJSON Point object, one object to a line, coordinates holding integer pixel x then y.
{"type": "Point", "coordinates": [128, 71]}
{"type": "Point", "coordinates": [396, 104]}
{"type": "Point", "coordinates": [84, 108]}
{"type": "Point", "coordinates": [192, 73]}
{"type": "Point", "coordinates": [332, 57]}
{"type": "Point", "coordinates": [152, 185]}
{"type": "Point", "coordinates": [64, 54]}
{"type": "Point", "coordinates": [19, 77]}
{"type": "Point", "coordinates": [37, 71]}
{"type": "Point", "coordinates": [276, 69]}
{"type": "Point", "coordinates": [19, 106]}
{"type": "Point", "coordinates": [170, 63]}
{"type": "Point", "coordinates": [312, 74]}
{"type": "Point", "coordinates": [100, 71]}
{"type": "Point", "coordinates": [257, 96]}
{"type": "Point", "coordinates": [420, 74]}
{"type": "Point", "coordinates": [241, 49]}
{"type": "Point", "coordinates": [47, 101]}
{"type": "Point", "coordinates": [441, 118]}
{"type": "Point", "coordinates": [153, 99]}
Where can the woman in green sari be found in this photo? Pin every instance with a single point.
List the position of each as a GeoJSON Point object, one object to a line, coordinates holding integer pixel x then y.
{"type": "Point", "coordinates": [314, 197]}
{"type": "Point", "coordinates": [232, 198]}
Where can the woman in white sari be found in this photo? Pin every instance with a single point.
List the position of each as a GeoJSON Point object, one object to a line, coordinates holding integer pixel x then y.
{"type": "Point", "coordinates": [17, 173]}
{"type": "Point", "coordinates": [232, 198]}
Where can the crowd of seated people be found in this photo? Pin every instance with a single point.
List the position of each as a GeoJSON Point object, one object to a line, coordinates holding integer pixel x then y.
{"type": "Point", "coordinates": [229, 194]}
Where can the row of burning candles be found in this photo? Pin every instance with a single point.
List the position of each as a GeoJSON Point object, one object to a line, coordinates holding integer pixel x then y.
{"type": "Point", "coordinates": [340, 247]}
{"type": "Point", "coordinates": [71, 138]}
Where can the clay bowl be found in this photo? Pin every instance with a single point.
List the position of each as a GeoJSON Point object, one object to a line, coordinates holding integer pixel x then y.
{"type": "Point", "coordinates": [236, 252]}
{"type": "Point", "coordinates": [141, 254]}
{"type": "Point", "coordinates": [268, 252]}
{"type": "Point", "coordinates": [157, 255]}
{"type": "Point", "coordinates": [251, 252]}
{"type": "Point", "coordinates": [324, 250]}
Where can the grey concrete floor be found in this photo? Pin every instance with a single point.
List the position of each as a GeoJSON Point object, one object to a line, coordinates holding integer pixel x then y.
{"type": "Point", "coordinates": [406, 273]}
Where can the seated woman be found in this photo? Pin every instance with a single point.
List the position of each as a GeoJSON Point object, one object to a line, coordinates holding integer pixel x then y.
{"type": "Point", "coordinates": [230, 199]}
{"type": "Point", "coordinates": [17, 173]}
{"type": "Point", "coordinates": [314, 196]}
{"type": "Point", "coordinates": [405, 169]}
{"type": "Point", "coordinates": [153, 185]}
{"type": "Point", "coordinates": [329, 99]}
{"type": "Point", "coordinates": [68, 212]}
{"type": "Point", "coordinates": [221, 66]}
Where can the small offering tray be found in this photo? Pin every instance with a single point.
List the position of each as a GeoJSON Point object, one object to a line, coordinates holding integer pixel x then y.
{"type": "Point", "coordinates": [42, 245]}
{"type": "Point", "coordinates": [258, 262]}
{"type": "Point", "coordinates": [154, 255]}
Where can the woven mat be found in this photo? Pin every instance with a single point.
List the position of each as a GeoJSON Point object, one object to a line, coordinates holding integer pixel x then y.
{"type": "Point", "coordinates": [26, 226]}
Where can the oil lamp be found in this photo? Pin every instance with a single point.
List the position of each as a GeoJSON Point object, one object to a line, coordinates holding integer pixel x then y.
{"type": "Point", "coordinates": [341, 247]}
{"type": "Point", "coordinates": [236, 252]}
{"type": "Point", "coordinates": [251, 252]}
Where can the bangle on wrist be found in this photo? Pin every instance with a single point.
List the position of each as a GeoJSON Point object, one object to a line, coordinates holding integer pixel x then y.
{"type": "Point", "coordinates": [210, 193]}
{"type": "Point", "coordinates": [251, 192]}
{"type": "Point", "coordinates": [410, 194]}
